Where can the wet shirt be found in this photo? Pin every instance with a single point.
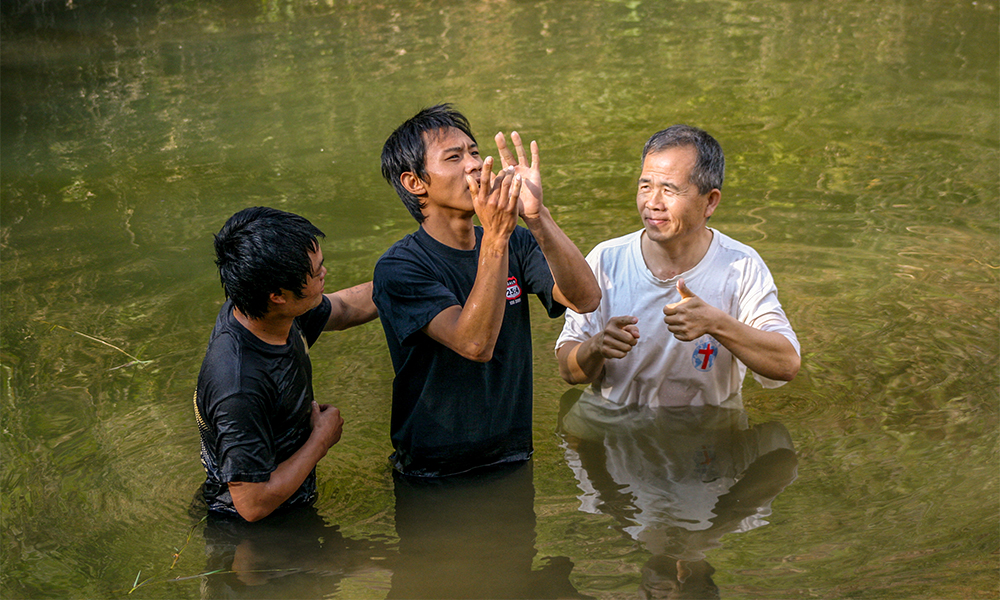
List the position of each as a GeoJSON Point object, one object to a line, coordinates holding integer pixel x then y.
{"type": "Point", "coordinates": [253, 405]}
{"type": "Point", "coordinates": [662, 370]}
{"type": "Point", "coordinates": [451, 414]}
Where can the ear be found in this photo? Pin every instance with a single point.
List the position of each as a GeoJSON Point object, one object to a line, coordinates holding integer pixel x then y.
{"type": "Point", "coordinates": [278, 298]}
{"type": "Point", "coordinates": [714, 197]}
{"type": "Point", "coordinates": [413, 184]}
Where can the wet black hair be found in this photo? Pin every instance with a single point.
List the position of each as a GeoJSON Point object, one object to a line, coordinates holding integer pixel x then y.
{"type": "Point", "coordinates": [405, 150]}
{"type": "Point", "coordinates": [710, 168]}
{"type": "Point", "coordinates": [261, 251]}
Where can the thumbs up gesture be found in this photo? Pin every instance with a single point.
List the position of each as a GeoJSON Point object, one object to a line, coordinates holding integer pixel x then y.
{"type": "Point", "coordinates": [690, 318]}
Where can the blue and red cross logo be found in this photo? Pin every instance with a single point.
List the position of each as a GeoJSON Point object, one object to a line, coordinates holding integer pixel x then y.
{"type": "Point", "coordinates": [704, 355]}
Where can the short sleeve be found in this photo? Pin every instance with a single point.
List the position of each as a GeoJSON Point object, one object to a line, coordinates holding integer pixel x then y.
{"type": "Point", "coordinates": [408, 295]}
{"type": "Point", "coordinates": [759, 308]}
{"type": "Point", "coordinates": [245, 448]}
{"type": "Point", "coordinates": [314, 322]}
{"type": "Point", "coordinates": [581, 327]}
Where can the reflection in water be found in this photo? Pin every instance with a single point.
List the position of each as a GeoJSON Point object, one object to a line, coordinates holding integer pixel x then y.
{"type": "Point", "coordinates": [473, 536]}
{"type": "Point", "coordinates": [676, 479]}
{"type": "Point", "coordinates": [292, 554]}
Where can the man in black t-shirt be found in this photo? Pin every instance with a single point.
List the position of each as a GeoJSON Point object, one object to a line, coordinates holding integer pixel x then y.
{"type": "Point", "coordinates": [261, 431]}
{"type": "Point", "coordinates": [451, 296]}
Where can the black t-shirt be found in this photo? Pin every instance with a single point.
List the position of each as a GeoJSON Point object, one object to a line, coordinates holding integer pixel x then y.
{"type": "Point", "coordinates": [451, 414]}
{"type": "Point", "coordinates": [253, 404]}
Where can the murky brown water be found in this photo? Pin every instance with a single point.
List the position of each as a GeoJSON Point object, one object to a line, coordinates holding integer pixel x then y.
{"type": "Point", "coordinates": [863, 148]}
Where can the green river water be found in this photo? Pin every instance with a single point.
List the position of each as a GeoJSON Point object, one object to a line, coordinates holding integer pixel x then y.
{"type": "Point", "coordinates": [863, 149]}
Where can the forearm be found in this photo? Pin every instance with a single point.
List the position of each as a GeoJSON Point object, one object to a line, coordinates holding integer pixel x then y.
{"type": "Point", "coordinates": [254, 501]}
{"type": "Point", "coordinates": [574, 279]}
{"type": "Point", "coordinates": [580, 362]}
{"type": "Point", "coordinates": [472, 330]}
{"type": "Point", "coordinates": [352, 306]}
{"type": "Point", "coordinates": [766, 353]}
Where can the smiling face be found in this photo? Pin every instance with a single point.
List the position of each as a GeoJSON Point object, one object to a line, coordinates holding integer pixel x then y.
{"type": "Point", "coordinates": [672, 209]}
{"type": "Point", "coordinates": [450, 155]}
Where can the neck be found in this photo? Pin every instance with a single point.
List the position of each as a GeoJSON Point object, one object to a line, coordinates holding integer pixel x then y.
{"type": "Point", "coordinates": [270, 329]}
{"type": "Point", "coordinates": [668, 260]}
{"type": "Point", "coordinates": [456, 232]}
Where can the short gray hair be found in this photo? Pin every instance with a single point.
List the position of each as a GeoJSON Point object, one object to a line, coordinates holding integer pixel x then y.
{"type": "Point", "coordinates": [710, 168]}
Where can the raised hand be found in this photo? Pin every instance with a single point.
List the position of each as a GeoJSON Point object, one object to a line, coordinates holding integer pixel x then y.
{"type": "Point", "coordinates": [495, 199]}
{"type": "Point", "coordinates": [531, 195]}
{"type": "Point", "coordinates": [690, 318]}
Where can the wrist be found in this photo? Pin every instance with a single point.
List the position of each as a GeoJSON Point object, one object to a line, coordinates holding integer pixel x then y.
{"type": "Point", "coordinates": [538, 218]}
{"type": "Point", "coordinates": [494, 244]}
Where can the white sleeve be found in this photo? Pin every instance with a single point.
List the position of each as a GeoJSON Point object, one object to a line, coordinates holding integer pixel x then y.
{"type": "Point", "coordinates": [760, 309]}
{"type": "Point", "coordinates": [580, 328]}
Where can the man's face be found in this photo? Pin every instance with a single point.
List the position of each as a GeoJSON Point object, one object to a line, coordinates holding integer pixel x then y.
{"type": "Point", "coordinates": [670, 205]}
{"type": "Point", "coordinates": [450, 156]}
{"type": "Point", "coordinates": [312, 292]}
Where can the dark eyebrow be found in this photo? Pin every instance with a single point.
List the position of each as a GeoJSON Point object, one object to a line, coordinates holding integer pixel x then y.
{"type": "Point", "coordinates": [460, 148]}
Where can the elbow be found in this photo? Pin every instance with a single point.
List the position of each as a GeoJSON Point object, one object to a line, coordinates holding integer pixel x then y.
{"type": "Point", "coordinates": [791, 369]}
{"type": "Point", "coordinates": [590, 302]}
{"type": "Point", "coordinates": [250, 507]}
{"type": "Point", "coordinates": [591, 305]}
{"type": "Point", "coordinates": [569, 369]}
{"type": "Point", "coordinates": [571, 378]}
{"type": "Point", "coordinates": [481, 358]}
{"type": "Point", "coordinates": [479, 354]}
{"type": "Point", "coordinates": [252, 514]}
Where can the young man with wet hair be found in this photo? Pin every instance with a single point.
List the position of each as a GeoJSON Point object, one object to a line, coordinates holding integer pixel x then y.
{"type": "Point", "coordinates": [262, 433]}
{"type": "Point", "coordinates": [706, 305]}
{"type": "Point", "coordinates": [451, 296]}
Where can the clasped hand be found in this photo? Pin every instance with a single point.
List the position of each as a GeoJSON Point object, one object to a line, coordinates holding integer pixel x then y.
{"type": "Point", "coordinates": [495, 198]}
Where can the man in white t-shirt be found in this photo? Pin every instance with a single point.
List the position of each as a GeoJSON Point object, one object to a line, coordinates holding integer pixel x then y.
{"type": "Point", "coordinates": [685, 309]}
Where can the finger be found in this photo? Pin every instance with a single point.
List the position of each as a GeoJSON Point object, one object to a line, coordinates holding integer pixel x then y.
{"type": "Point", "coordinates": [621, 322]}
{"type": "Point", "coordinates": [506, 158]}
{"type": "Point", "coordinates": [519, 147]}
{"type": "Point", "coordinates": [535, 162]}
{"type": "Point", "coordinates": [486, 175]}
{"type": "Point", "coordinates": [615, 348]}
{"type": "Point", "coordinates": [515, 193]}
{"type": "Point", "coordinates": [683, 289]}
{"type": "Point", "coordinates": [473, 185]}
{"type": "Point", "coordinates": [501, 188]}
{"type": "Point", "coordinates": [620, 338]}
{"type": "Point", "coordinates": [632, 329]}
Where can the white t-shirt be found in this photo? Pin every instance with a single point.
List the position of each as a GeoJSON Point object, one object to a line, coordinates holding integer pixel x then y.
{"type": "Point", "coordinates": [662, 370]}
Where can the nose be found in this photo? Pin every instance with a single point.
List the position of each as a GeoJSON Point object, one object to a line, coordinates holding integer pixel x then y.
{"type": "Point", "coordinates": [656, 201]}
{"type": "Point", "coordinates": [473, 163]}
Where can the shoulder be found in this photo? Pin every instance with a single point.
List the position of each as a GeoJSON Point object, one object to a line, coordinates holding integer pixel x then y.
{"type": "Point", "coordinates": [401, 250]}
{"type": "Point", "coordinates": [742, 262]}
{"type": "Point", "coordinates": [223, 369]}
{"type": "Point", "coordinates": [616, 246]}
{"type": "Point", "coordinates": [401, 257]}
{"type": "Point", "coordinates": [615, 255]}
{"type": "Point", "coordinates": [735, 249]}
